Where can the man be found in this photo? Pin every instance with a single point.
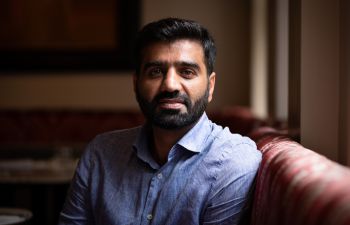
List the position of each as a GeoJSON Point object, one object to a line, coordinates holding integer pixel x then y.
{"type": "Point", "coordinates": [179, 168]}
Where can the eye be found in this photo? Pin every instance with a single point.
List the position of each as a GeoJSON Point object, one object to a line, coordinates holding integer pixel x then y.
{"type": "Point", "coordinates": [155, 72]}
{"type": "Point", "coordinates": [188, 73]}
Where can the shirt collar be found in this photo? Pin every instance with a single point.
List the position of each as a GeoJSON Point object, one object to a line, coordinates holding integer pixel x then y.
{"type": "Point", "coordinates": [141, 146]}
{"type": "Point", "coordinates": [196, 137]}
{"type": "Point", "coordinates": [191, 141]}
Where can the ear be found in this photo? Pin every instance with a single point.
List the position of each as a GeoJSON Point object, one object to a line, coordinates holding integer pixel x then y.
{"type": "Point", "coordinates": [211, 86]}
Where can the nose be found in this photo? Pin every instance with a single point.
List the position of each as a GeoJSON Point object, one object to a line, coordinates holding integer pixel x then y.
{"type": "Point", "coordinates": [171, 81]}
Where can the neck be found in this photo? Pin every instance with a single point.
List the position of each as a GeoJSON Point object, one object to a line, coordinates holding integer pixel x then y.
{"type": "Point", "coordinates": [164, 140]}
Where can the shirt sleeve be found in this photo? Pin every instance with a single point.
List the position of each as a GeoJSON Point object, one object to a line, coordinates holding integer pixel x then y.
{"type": "Point", "coordinates": [77, 207]}
{"type": "Point", "coordinates": [232, 195]}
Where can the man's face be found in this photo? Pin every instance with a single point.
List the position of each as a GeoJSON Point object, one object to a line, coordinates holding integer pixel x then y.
{"type": "Point", "coordinates": [173, 87]}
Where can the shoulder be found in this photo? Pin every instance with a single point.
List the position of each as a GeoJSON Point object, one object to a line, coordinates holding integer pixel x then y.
{"type": "Point", "coordinates": [112, 143]}
{"type": "Point", "coordinates": [232, 163]}
{"type": "Point", "coordinates": [233, 153]}
{"type": "Point", "coordinates": [233, 142]}
{"type": "Point", "coordinates": [116, 137]}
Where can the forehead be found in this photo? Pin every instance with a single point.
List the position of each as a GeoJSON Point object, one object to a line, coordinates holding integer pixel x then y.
{"type": "Point", "coordinates": [179, 50]}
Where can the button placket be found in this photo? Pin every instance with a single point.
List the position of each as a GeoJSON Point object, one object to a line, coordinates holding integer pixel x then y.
{"type": "Point", "coordinates": [155, 186]}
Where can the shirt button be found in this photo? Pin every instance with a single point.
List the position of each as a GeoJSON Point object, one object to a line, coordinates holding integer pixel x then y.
{"type": "Point", "coordinates": [149, 216]}
{"type": "Point", "coordinates": [160, 176]}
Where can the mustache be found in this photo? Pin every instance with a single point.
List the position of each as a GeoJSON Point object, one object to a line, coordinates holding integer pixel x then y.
{"type": "Point", "coordinates": [172, 95]}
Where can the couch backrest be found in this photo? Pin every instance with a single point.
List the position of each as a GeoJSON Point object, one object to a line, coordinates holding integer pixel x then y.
{"type": "Point", "coordinates": [50, 127]}
{"type": "Point", "coordinates": [297, 186]}
{"type": "Point", "coordinates": [30, 127]}
{"type": "Point", "coordinates": [46, 133]}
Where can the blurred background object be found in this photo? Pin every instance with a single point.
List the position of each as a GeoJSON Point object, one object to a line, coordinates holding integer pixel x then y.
{"type": "Point", "coordinates": [14, 216]}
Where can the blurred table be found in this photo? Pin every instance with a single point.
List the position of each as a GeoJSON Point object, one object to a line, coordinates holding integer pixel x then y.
{"type": "Point", "coordinates": [39, 185]}
{"type": "Point", "coordinates": [34, 171]}
{"type": "Point", "coordinates": [14, 216]}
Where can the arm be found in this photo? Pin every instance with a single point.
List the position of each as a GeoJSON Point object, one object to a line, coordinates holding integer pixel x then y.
{"type": "Point", "coordinates": [232, 191]}
{"type": "Point", "coordinates": [77, 207]}
{"type": "Point", "coordinates": [231, 205]}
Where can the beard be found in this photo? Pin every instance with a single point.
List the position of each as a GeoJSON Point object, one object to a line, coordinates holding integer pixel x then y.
{"type": "Point", "coordinates": [172, 118]}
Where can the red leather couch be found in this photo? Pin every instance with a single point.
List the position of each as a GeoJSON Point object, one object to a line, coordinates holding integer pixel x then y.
{"type": "Point", "coordinates": [297, 186]}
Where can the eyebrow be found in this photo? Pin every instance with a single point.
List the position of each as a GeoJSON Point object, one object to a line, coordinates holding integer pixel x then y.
{"type": "Point", "coordinates": [153, 64]}
{"type": "Point", "coordinates": [188, 64]}
{"type": "Point", "coordinates": [178, 63]}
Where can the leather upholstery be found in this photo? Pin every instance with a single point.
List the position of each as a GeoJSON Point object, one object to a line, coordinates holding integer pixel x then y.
{"type": "Point", "coordinates": [298, 186]}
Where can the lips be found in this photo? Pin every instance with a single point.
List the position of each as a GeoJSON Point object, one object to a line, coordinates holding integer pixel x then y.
{"type": "Point", "coordinates": [171, 103]}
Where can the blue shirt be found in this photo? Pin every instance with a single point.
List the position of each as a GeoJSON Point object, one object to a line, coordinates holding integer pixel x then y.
{"type": "Point", "coordinates": [206, 179]}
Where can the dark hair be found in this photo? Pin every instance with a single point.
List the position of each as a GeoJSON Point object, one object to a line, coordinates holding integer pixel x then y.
{"type": "Point", "coordinates": [172, 29]}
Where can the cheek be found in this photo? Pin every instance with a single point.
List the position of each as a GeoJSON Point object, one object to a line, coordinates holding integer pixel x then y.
{"type": "Point", "coordinates": [197, 91]}
{"type": "Point", "coordinates": [147, 90]}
